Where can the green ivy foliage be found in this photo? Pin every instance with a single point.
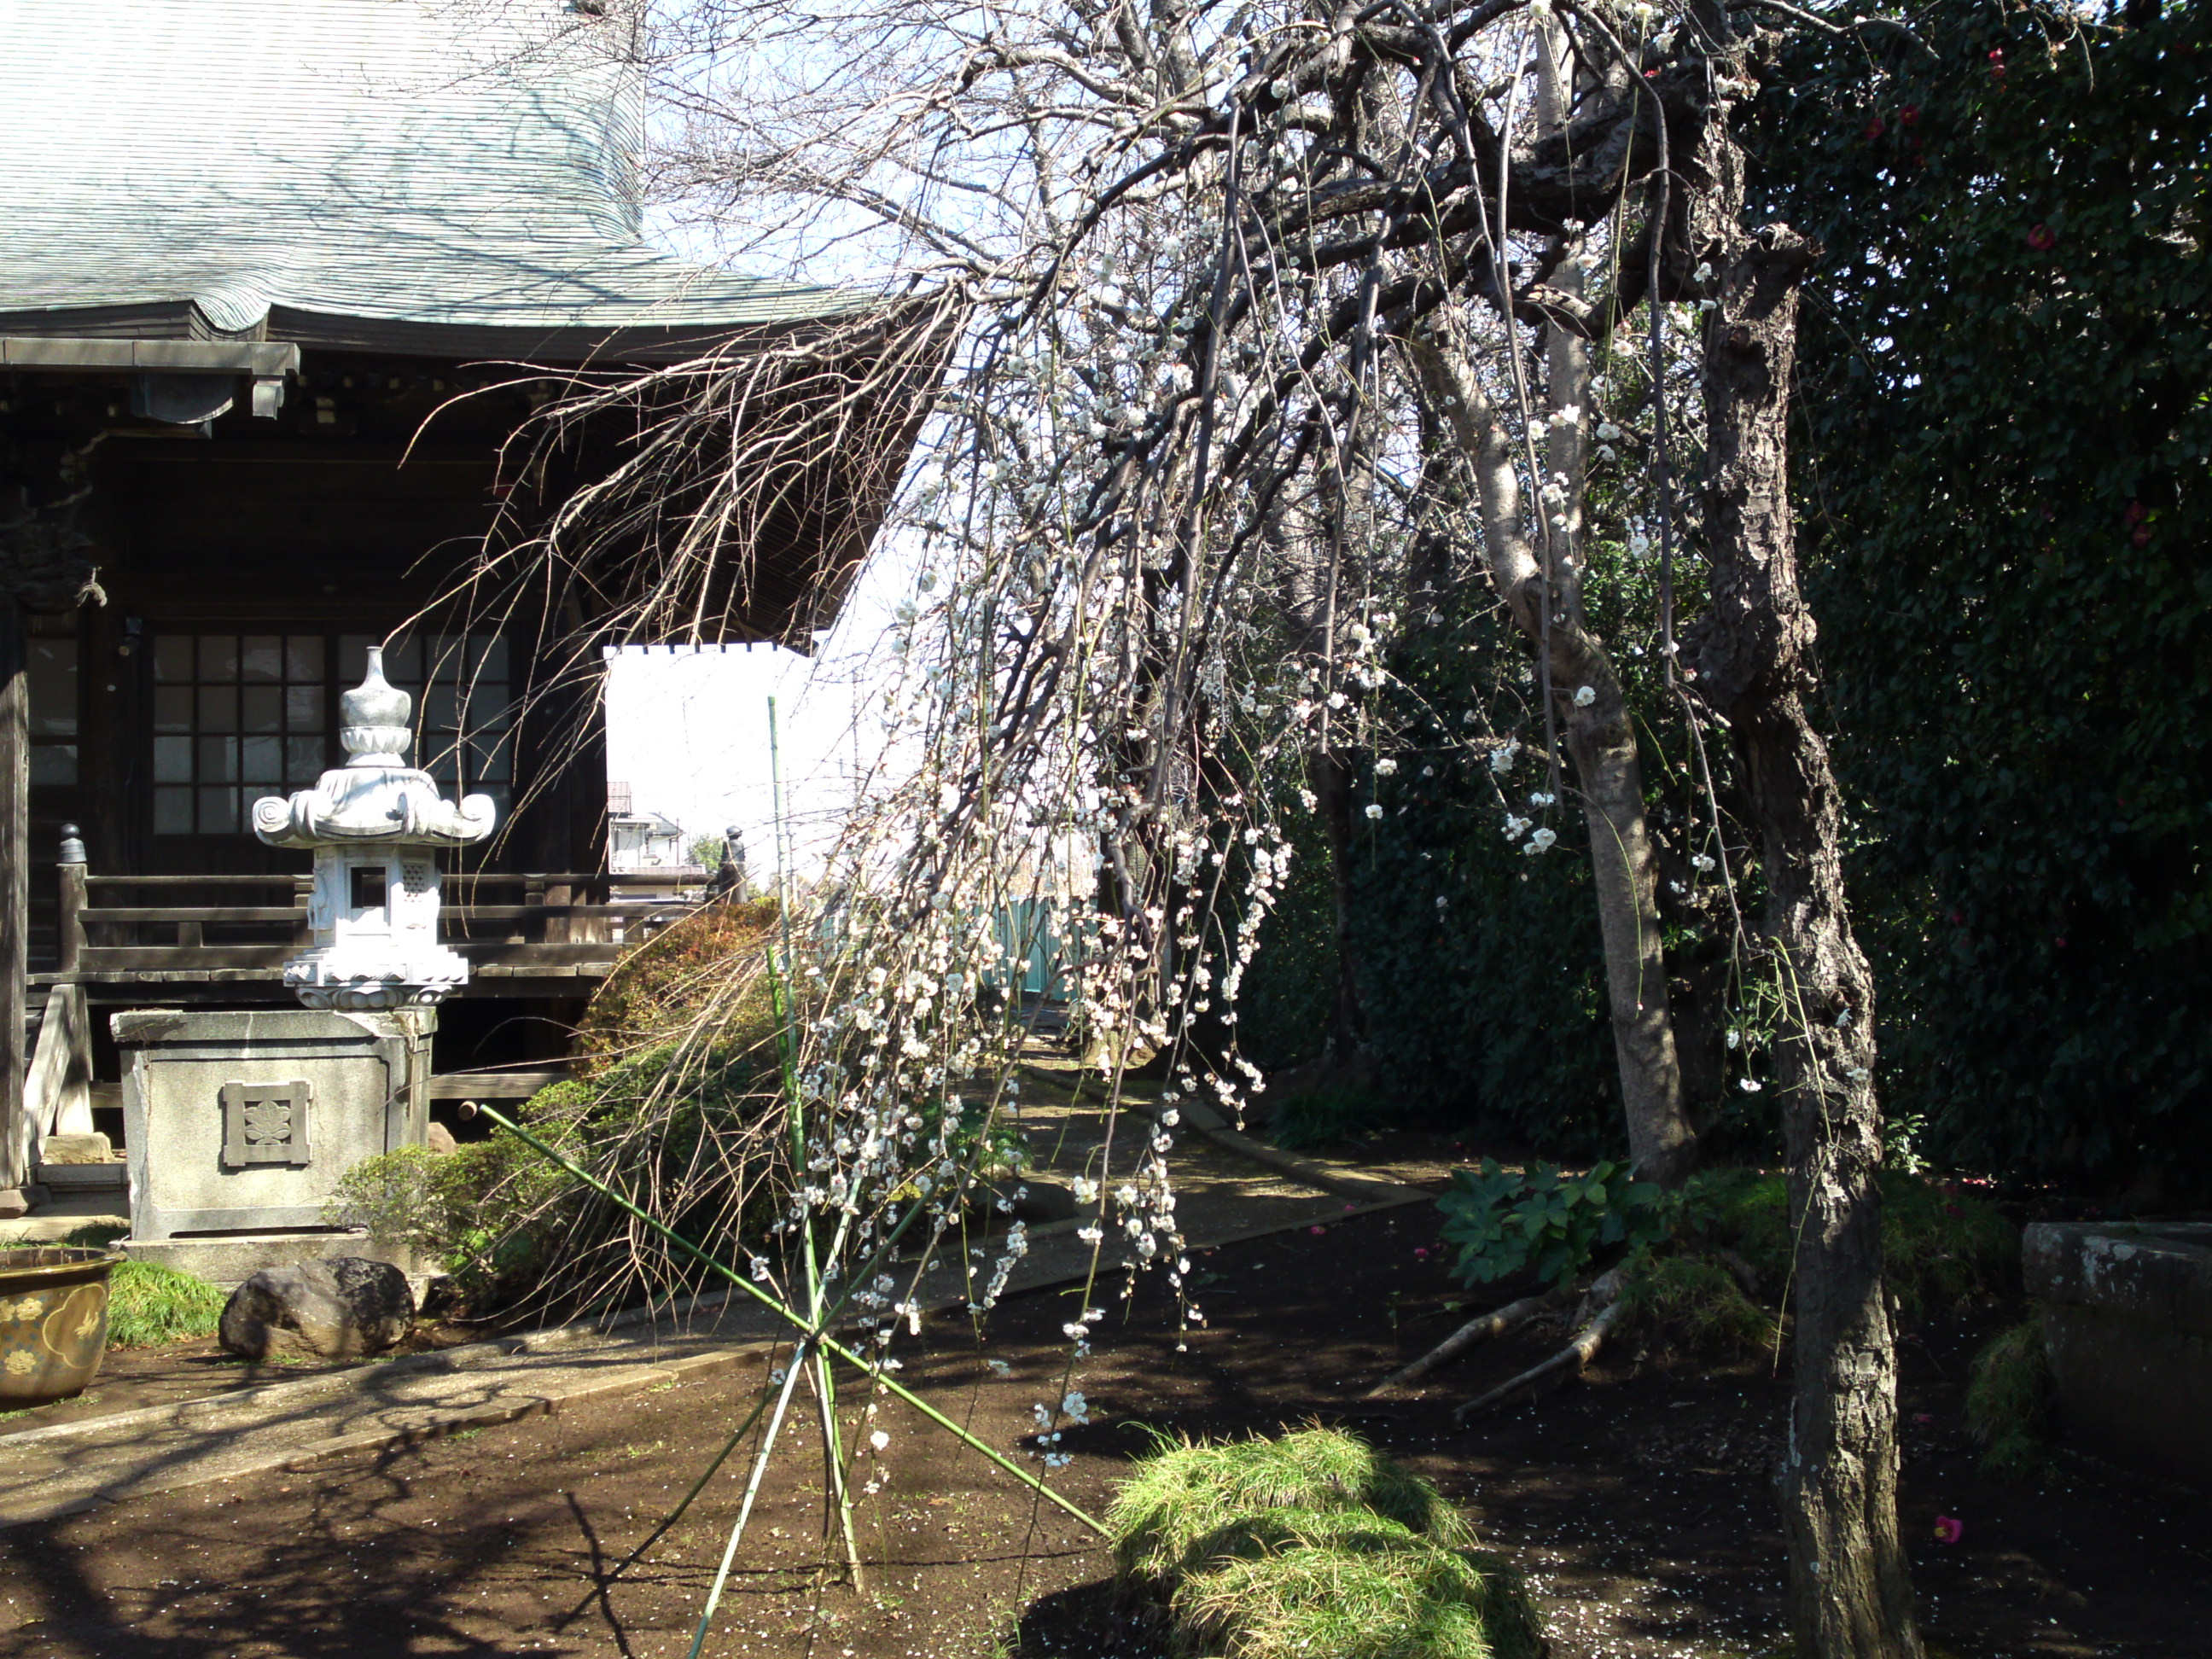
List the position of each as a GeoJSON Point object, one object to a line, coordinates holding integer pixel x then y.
{"type": "Point", "coordinates": [2006, 366]}
{"type": "Point", "coordinates": [1502, 1221]}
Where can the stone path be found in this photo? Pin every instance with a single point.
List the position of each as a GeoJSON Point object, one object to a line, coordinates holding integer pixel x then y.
{"type": "Point", "coordinates": [75, 1465]}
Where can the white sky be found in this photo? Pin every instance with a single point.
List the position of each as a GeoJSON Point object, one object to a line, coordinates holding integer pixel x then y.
{"type": "Point", "coordinates": [689, 730]}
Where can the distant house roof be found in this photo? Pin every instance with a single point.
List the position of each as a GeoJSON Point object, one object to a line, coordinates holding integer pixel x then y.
{"type": "Point", "coordinates": [433, 176]}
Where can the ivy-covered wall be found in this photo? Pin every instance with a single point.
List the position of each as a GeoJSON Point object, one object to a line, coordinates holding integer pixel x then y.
{"type": "Point", "coordinates": [2003, 444]}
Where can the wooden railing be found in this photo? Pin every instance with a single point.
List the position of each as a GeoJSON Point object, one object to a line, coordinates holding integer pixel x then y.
{"type": "Point", "coordinates": [211, 926]}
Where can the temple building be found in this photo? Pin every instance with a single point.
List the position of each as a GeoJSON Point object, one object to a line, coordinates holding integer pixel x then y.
{"type": "Point", "coordinates": [279, 280]}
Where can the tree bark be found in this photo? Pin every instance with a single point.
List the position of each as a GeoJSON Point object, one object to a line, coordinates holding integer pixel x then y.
{"type": "Point", "coordinates": [16, 1133]}
{"type": "Point", "coordinates": [1850, 1593]}
{"type": "Point", "coordinates": [1600, 740]}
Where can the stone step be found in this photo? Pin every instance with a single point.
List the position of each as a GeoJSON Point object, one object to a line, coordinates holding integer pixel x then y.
{"type": "Point", "coordinates": [85, 1177]}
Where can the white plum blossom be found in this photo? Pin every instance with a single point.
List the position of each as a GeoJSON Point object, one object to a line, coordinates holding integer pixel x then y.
{"type": "Point", "coordinates": [1385, 767]}
{"type": "Point", "coordinates": [1585, 696]}
{"type": "Point", "coordinates": [1374, 811]}
{"type": "Point", "coordinates": [1542, 841]}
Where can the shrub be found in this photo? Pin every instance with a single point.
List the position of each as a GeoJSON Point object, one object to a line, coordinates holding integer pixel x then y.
{"type": "Point", "coordinates": [1312, 1544]}
{"type": "Point", "coordinates": [1329, 1117]}
{"type": "Point", "coordinates": [1504, 1220]}
{"type": "Point", "coordinates": [1941, 1248]}
{"type": "Point", "coordinates": [676, 1104]}
{"type": "Point", "coordinates": [707, 972]}
{"type": "Point", "coordinates": [449, 1206]}
{"type": "Point", "coordinates": [2009, 1403]}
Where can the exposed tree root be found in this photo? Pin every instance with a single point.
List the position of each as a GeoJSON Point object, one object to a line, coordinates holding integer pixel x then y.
{"type": "Point", "coordinates": [1481, 1329]}
{"type": "Point", "coordinates": [1599, 1310]}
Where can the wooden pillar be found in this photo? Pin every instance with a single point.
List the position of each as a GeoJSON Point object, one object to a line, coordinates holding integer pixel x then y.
{"type": "Point", "coordinates": [69, 914]}
{"type": "Point", "coordinates": [15, 901]}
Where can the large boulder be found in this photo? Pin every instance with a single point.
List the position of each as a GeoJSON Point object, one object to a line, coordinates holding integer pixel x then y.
{"type": "Point", "coordinates": [336, 1309]}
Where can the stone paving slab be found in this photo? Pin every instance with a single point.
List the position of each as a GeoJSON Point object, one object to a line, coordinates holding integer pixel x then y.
{"type": "Point", "coordinates": [73, 1465]}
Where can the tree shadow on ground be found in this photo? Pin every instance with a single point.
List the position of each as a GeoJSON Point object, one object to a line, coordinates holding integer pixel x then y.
{"type": "Point", "coordinates": [1096, 1621]}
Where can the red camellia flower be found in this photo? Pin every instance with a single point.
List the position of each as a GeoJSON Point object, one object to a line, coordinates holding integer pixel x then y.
{"type": "Point", "coordinates": [1996, 65]}
{"type": "Point", "coordinates": [2042, 238]}
{"type": "Point", "coordinates": [1874, 129]}
{"type": "Point", "coordinates": [1908, 117]}
{"type": "Point", "coordinates": [2135, 514]}
{"type": "Point", "coordinates": [1949, 1530]}
{"type": "Point", "coordinates": [2141, 538]}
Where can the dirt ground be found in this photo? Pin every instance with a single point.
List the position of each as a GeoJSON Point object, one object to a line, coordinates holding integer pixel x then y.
{"type": "Point", "coordinates": [167, 1375]}
{"type": "Point", "coordinates": [1637, 1501]}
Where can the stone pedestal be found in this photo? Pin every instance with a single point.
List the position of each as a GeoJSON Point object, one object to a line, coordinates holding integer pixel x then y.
{"type": "Point", "coordinates": [2128, 1328]}
{"type": "Point", "coordinates": [240, 1125]}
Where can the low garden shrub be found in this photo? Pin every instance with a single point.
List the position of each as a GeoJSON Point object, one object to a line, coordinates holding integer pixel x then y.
{"type": "Point", "coordinates": [1328, 1117]}
{"type": "Point", "coordinates": [676, 1104]}
{"type": "Point", "coordinates": [1549, 1223]}
{"type": "Point", "coordinates": [1312, 1544]}
{"type": "Point", "coordinates": [1941, 1246]}
{"type": "Point", "coordinates": [2009, 1403]}
{"type": "Point", "coordinates": [1697, 1303]}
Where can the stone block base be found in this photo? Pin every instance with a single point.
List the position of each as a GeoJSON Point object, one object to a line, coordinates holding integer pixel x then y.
{"type": "Point", "coordinates": [234, 1259]}
{"type": "Point", "coordinates": [2127, 1329]}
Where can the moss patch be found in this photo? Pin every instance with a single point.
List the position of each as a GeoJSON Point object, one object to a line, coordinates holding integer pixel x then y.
{"type": "Point", "coordinates": [1695, 1300]}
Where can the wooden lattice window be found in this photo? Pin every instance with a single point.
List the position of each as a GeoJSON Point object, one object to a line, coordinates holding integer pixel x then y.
{"type": "Point", "coordinates": [239, 715]}
{"type": "Point", "coordinates": [235, 716]}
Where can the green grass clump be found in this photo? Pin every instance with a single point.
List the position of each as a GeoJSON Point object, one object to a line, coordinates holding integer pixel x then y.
{"type": "Point", "coordinates": [2009, 1403]}
{"type": "Point", "coordinates": [148, 1304]}
{"type": "Point", "coordinates": [1189, 1493]}
{"type": "Point", "coordinates": [1697, 1301]}
{"type": "Point", "coordinates": [1313, 1544]}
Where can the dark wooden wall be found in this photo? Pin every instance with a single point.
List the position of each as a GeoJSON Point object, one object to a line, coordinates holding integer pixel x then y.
{"type": "Point", "coordinates": [358, 508]}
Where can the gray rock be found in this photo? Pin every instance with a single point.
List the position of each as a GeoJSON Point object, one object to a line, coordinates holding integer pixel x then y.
{"type": "Point", "coordinates": [337, 1309]}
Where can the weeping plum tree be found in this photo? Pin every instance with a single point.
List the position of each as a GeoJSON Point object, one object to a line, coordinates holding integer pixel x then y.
{"type": "Point", "coordinates": [1222, 301]}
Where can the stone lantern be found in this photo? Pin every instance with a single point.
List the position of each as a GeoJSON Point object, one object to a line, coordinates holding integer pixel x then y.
{"type": "Point", "coordinates": [375, 826]}
{"type": "Point", "coordinates": [241, 1124]}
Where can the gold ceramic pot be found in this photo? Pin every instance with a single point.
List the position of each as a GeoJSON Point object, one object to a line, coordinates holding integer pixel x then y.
{"type": "Point", "coordinates": [53, 1322]}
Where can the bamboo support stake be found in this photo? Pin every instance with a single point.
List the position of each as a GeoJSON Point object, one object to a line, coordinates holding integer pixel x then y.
{"type": "Point", "coordinates": [828, 1344]}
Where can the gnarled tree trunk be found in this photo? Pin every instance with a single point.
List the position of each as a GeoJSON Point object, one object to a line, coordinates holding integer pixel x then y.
{"type": "Point", "coordinates": [1851, 1594]}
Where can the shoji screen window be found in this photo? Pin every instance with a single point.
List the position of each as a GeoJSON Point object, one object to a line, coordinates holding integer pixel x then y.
{"type": "Point", "coordinates": [236, 716]}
